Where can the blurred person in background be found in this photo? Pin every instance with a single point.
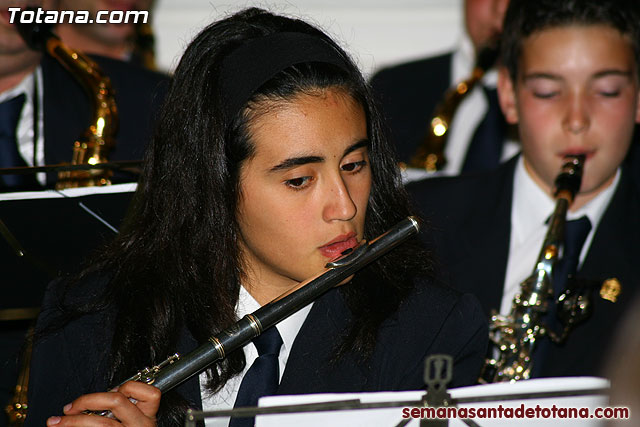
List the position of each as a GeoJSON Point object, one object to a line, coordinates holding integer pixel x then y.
{"type": "Point", "coordinates": [127, 41]}
{"type": "Point", "coordinates": [44, 109]}
{"type": "Point", "coordinates": [409, 93]}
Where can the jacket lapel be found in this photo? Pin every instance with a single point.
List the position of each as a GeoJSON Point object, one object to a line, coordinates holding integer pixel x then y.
{"type": "Point", "coordinates": [484, 241]}
{"type": "Point", "coordinates": [615, 251]}
{"type": "Point", "coordinates": [308, 368]}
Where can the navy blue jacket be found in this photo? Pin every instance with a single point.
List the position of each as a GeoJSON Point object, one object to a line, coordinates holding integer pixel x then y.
{"type": "Point", "coordinates": [408, 94]}
{"type": "Point", "coordinates": [434, 319]}
{"type": "Point", "coordinates": [470, 224]}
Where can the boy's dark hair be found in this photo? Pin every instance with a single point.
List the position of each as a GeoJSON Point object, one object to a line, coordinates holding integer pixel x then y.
{"type": "Point", "coordinates": [525, 17]}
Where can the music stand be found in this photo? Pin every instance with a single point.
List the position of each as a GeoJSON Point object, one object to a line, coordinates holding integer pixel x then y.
{"type": "Point", "coordinates": [48, 233]}
{"type": "Point", "coordinates": [385, 408]}
{"type": "Point", "coordinates": [44, 234]}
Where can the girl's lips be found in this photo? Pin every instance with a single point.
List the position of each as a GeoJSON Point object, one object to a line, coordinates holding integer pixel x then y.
{"type": "Point", "coordinates": [341, 244]}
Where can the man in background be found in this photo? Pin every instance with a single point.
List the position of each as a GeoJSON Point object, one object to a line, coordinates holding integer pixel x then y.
{"type": "Point", "coordinates": [127, 41]}
{"type": "Point", "coordinates": [409, 94]}
{"type": "Point", "coordinates": [43, 108]}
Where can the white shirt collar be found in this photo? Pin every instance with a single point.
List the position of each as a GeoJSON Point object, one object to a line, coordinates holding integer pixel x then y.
{"type": "Point", "coordinates": [25, 86]}
{"type": "Point", "coordinates": [288, 328]}
{"type": "Point", "coordinates": [25, 130]}
{"type": "Point", "coordinates": [532, 206]}
{"type": "Point", "coordinates": [225, 397]}
{"type": "Point", "coordinates": [463, 60]}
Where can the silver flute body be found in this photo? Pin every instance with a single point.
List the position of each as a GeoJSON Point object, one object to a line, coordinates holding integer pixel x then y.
{"type": "Point", "coordinates": [178, 369]}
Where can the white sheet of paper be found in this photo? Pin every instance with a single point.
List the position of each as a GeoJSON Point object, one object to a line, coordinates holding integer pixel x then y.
{"type": "Point", "coordinates": [392, 416]}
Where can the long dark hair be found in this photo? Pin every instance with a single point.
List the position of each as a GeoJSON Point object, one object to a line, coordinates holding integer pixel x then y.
{"type": "Point", "coordinates": [176, 263]}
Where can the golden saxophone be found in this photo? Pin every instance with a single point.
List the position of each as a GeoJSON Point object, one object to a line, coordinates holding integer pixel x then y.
{"type": "Point", "coordinates": [430, 154]}
{"type": "Point", "coordinates": [98, 140]}
{"type": "Point", "coordinates": [515, 335]}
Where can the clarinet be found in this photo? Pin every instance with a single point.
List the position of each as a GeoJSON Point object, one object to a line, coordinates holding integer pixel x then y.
{"type": "Point", "coordinates": [176, 369]}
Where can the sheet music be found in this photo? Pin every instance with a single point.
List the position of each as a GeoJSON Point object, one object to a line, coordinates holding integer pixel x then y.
{"type": "Point", "coordinates": [392, 416]}
{"type": "Point", "coordinates": [71, 192]}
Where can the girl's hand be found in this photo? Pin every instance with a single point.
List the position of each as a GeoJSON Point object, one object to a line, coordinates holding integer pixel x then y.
{"type": "Point", "coordinates": [142, 413]}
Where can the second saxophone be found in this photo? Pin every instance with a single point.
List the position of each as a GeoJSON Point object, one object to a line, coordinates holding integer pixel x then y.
{"type": "Point", "coordinates": [513, 337]}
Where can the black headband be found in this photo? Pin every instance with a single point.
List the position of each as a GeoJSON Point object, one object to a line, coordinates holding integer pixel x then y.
{"type": "Point", "coordinates": [251, 65]}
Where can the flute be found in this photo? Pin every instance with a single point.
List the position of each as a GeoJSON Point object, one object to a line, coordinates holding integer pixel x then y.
{"type": "Point", "coordinates": [177, 369]}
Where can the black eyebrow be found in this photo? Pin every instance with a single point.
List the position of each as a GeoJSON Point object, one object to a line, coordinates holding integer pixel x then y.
{"type": "Point", "coordinates": [303, 160]}
{"type": "Point", "coordinates": [354, 147]}
{"type": "Point", "coordinates": [296, 161]}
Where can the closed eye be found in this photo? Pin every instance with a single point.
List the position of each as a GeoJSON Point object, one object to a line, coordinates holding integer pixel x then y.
{"type": "Point", "coordinates": [543, 85]}
{"type": "Point", "coordinates": [545, 95]}
{"type": "Point", "coordinates": [610, 93]}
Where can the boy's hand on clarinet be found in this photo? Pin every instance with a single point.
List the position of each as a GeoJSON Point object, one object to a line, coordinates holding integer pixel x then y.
{"type": "Point", "coordinates": [119, 402]}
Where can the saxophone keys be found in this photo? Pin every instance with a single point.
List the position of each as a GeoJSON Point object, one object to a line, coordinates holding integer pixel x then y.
{"type": "Point", "coordinates": [551, 252]}
{"type": "Point", "coordinates": [439, 126]}
{"type": "Point", "coordinates": [462, 88]}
